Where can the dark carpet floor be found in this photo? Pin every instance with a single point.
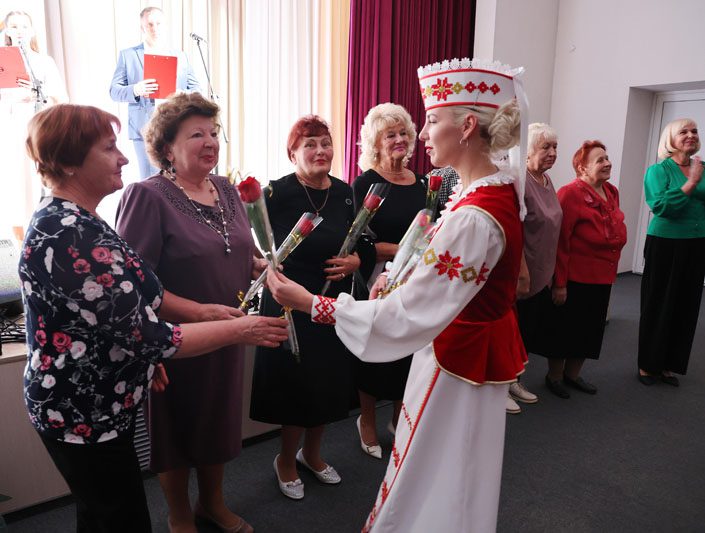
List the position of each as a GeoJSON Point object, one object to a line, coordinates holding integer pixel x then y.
{"type": "Point", "coordinates": [630, 459]}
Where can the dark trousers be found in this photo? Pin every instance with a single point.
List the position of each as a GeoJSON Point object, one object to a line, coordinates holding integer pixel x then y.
{"type": "Point", "coordinates": [106, 483]}
{"type": "Point", "coordinates": [671, 291]}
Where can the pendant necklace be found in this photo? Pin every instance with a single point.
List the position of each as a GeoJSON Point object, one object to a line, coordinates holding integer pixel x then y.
{"type": "Point", "coordinates": [310, 200]}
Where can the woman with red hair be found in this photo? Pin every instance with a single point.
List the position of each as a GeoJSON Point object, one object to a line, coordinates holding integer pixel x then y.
{"type": "Point", "coordinates": [592, 236]}
{"type": "Point", "coordinates": [304, 396]}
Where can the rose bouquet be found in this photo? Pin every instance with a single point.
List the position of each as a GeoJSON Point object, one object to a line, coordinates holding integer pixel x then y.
{"type": "Point", "coordinates": [306, 224]}
{"type": "Point", "coordinates": [434, 184]}
{"type": "Point", "coordinates": [251, 196]}
{"type": "Point", "coordinates": [411, 248]}
{"type": "Point", "coordinates": [374, 198]}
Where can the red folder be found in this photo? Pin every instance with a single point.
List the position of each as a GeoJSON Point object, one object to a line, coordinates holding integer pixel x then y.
{"type": "Point", "coordinates": [162, 69]}
{"type": "Point", "coordinates": [11, 67]}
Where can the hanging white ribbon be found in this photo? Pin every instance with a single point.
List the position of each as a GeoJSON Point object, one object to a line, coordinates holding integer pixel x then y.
{"type": "Point", "coordinates": [523, 101]}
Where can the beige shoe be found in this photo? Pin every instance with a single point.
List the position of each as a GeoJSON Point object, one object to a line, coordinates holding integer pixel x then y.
{"type": "Point", "coordinates": [290, 489]}
{"type": "Point", "coordinates": [328, 475]}
{"type": "Point", "coordinates": [375, 451]}
{"type": "Point", "coordinates": [519, 393]}
{"type": "Point", "coordinates": [512, 407]}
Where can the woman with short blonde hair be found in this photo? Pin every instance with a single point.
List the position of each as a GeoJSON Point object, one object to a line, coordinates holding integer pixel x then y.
{"type": "Point", "coordinates": [674, 255]}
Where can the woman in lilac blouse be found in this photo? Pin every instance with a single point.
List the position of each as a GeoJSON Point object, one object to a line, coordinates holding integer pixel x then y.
{"type": "Point", "coordinates": [542, 226]}
{"type": "Point", "coordinates": [94, 337]}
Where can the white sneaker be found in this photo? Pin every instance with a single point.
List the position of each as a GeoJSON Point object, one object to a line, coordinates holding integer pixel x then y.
{"type": "Point", "coordinates": [512, 407]}
{"type": "Point", "coordinates": [518, 392]}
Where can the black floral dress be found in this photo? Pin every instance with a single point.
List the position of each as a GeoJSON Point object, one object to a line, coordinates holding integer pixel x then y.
{"type": "Point", "coordinates": [93, 335]}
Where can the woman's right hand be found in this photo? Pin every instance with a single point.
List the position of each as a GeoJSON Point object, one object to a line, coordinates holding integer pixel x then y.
{"type": "Point", "coordinates": [260, 330]}
{"type": "Point", "coordinates": [208, 312]}
{"type": "Point", "coordinates": [379, 285]}
{"type": "Point", "coordinates": [695, 171]}
{"type": "Point", "coordinates": [559, 295]}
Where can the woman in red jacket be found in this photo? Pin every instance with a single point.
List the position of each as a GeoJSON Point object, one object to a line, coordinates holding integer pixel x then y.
{"type": "Point", "coordinates": [592, 236]}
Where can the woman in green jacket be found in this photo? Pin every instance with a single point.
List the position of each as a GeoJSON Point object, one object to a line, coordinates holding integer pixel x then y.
{"type": "Point", "coordinates": [674, 253]}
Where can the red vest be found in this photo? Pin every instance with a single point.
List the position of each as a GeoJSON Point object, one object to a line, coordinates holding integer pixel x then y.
{"type": "Point", "coordinates": [483, 343]}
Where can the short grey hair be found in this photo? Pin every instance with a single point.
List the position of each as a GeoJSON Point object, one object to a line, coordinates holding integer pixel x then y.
{"type": "Point", "coordinates": [379, 118]}
{"type": "Point", "coordinates": [539, 131]}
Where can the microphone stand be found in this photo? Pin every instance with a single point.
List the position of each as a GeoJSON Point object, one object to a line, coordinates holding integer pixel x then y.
{"type": "Point", "coordinates": [211, 92]}
{"type": "Point", "coordinates": [37, 89]}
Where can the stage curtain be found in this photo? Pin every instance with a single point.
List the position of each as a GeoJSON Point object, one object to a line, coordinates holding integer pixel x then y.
{"type": "Point", "coordinates": [389, 40]}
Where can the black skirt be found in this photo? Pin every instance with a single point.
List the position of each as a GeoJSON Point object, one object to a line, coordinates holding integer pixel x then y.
{"type": "Point", "coordinates": [671, 291]}
{"type": "Point", "coordinates": [576, 328]}
{"type": "Point", "coordinates": [535, 321]}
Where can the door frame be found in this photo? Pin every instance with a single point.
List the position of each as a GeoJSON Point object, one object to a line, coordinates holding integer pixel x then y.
{"type": "Point", "coordinates": [660, 99]}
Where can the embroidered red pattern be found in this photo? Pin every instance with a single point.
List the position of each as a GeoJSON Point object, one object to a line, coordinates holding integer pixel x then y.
{"type": "Point", "coordinates": [447, 264]}
{"type": "Point", "coordinates": [406, 415]}
{"type": "Point", "coordinates": [481, 276]}
{"type": "Point", "coordinates": [483, 87]}
{"type": "Point", "coordinates": [495, 88]}
{"type": "Point", "coordinates": [441, 89]}
{"type": "Point", "coordinates": [395, 456]}
{"type": "Point", "coordinates": [324, 310]}
{"type": "Point", "coordinates": [470, 87]}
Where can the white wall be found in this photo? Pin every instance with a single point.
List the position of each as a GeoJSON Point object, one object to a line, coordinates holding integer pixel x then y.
{"type": "Point", "coordinates": [521, 33]}
{"type": "Point", "coordinates": [606, 60]}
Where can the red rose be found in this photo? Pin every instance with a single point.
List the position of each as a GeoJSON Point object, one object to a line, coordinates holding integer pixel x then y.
{"type": "Point", "coordinates": [106, 280]}
{"type": "Point", "coordinates": [46, 362]}
{"type": "Point", "coordinates": [372, 202]}
{"type": "Point", "coordinates": [61, 341]}
{"type": "Point", "coordinates": [305, 227]}
{"type": "Point", "coordinates": [132, 262]}
{"type": "Point", "coordinates": [83, 429]}
{"type": "Point", "coordinates": [40, 321]}
{"type": "Point", "coordinates": [73, 252]}
{"type": "Point", "coordinates": [41, 337]}
{"type": "Point", "coordinates": [102, 255]}
{"type": "Point", "coordinates": [176, 336]}
{"type": "Point", "coordinates": [137, 335]}
{"type": "Point", "coordinates": [81, 266]}
{"type": "Point", "coordinates": [56, 423]}
{"type": "Point", "coordinates": [140, 275]}
{"type": "Point", "coordinates": [129, 400]}
{"type": "Point", "coordinates": [249, 190]}
{"type": "Point", "coordinates": [434, 182]}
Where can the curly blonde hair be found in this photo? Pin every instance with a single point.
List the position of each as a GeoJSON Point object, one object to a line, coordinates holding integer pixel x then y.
{"type": "Point", "coordinates": [500, 127]}
{"type": "Point", "coordinates": [379, 118]}
{"type": "Point", "coordinates": [162, 128]}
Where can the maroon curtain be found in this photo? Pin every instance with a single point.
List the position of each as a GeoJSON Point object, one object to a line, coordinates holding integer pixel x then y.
{"type": "Point", "coordinates": [389, 40]}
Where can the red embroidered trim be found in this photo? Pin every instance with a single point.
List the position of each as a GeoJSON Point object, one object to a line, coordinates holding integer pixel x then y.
{"type": "Point", "coordinates": [324, 310]}
{"type": "Point", "coordinates": [481, 276]}
{"type": "Point", "coordinates": [448, 264]}
{"type": "Point", "coordinates": [406, 416]}
{"type": "Point", "coordinates": [386, 489]}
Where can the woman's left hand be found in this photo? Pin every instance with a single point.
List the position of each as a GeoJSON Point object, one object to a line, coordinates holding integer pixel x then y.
{"type": "Point", "coordinates": [159, 379]}
{"type": "Point", "coordinates": [341, 267]}
{"type": "Point", "coordinates": [288, 293]}
{"type": "Point", "coordinates": [259, 265]}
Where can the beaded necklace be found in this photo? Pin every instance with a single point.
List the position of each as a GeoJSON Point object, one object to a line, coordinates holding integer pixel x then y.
{"type": "Point", "coordinates": [224, 233]}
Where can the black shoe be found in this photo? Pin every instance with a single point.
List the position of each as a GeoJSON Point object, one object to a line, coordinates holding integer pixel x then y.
{"type": "Point", "coordinates": [647, 380]}
{"type": "Point", "coordinates": [556, 388]}
{"type": "Point", "coordinates": [580, 384]}
{"type": "Point", "coordinates": [670, 380]}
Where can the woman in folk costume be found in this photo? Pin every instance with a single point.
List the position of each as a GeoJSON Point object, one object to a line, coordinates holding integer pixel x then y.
{"type": "Point", "coordinates": [455, 313]}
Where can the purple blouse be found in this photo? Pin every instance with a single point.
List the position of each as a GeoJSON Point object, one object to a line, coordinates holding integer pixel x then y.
{"type": "Point", "coordinates": [542, 227]}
